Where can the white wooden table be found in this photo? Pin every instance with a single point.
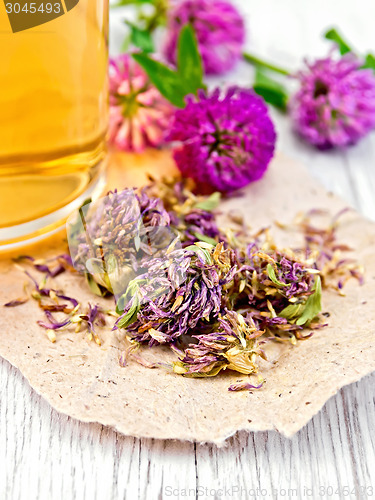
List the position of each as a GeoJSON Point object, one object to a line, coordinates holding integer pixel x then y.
{"type": "Point", "coordinates": [45, 455]}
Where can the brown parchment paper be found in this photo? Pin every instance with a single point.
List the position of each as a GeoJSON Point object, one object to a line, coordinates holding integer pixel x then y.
{"type": "Point", "coordinates": [84, 380]}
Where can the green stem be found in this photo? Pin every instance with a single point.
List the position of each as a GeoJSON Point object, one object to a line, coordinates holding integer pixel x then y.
{"type": "Point", "coordinates": [159, 17]}
{"type": "Point", "coordinates": [256, 61]}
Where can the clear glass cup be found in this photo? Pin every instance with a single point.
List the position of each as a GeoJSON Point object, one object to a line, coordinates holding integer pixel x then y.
{"type": "Point", "coordinates": [53, 112]}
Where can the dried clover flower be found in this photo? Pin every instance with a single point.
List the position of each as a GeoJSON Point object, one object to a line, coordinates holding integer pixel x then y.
{"type": "Point", "coordinates": [188, 294]}
{"type": "Point", "coordinates": [234, 346]}
{"type": "Point", "coordinates": [111, 239]}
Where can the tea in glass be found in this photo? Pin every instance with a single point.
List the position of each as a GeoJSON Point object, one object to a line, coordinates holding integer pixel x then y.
{"type": "Point", "coordinates": [53, 112]}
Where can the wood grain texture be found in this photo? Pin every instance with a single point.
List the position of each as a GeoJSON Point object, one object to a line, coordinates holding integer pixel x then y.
{"type": "Point", "coordinates": [45, 455]}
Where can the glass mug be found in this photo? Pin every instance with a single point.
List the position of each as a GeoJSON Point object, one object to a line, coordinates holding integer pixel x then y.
{"type": "Point", "coordinates": [53, 112]}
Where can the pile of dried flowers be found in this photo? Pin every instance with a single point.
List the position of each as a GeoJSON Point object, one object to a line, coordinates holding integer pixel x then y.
{"type": "Point", "coordinates": [216, 298]}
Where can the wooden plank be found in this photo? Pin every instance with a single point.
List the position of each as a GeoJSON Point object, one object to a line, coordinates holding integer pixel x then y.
{"type": "Point", "coordinates": [45, 454]}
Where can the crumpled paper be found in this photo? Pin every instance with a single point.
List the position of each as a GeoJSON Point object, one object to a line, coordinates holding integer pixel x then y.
{"type": "Point", "coordinates": [85, 381]}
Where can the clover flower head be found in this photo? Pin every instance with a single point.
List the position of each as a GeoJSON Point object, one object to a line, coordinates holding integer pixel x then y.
{"type": "Point", "coordinates": [335, 105]}
{"type": "Point", "coordinates": [219, 28]}
{"type": "Point", "coordinates": [226, 139]}
{"type": "Point", "coordinates": [139, 114]}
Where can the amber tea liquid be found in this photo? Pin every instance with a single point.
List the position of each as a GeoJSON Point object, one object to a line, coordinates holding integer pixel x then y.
{"type": "Point", "coordinates": [53, 112]}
